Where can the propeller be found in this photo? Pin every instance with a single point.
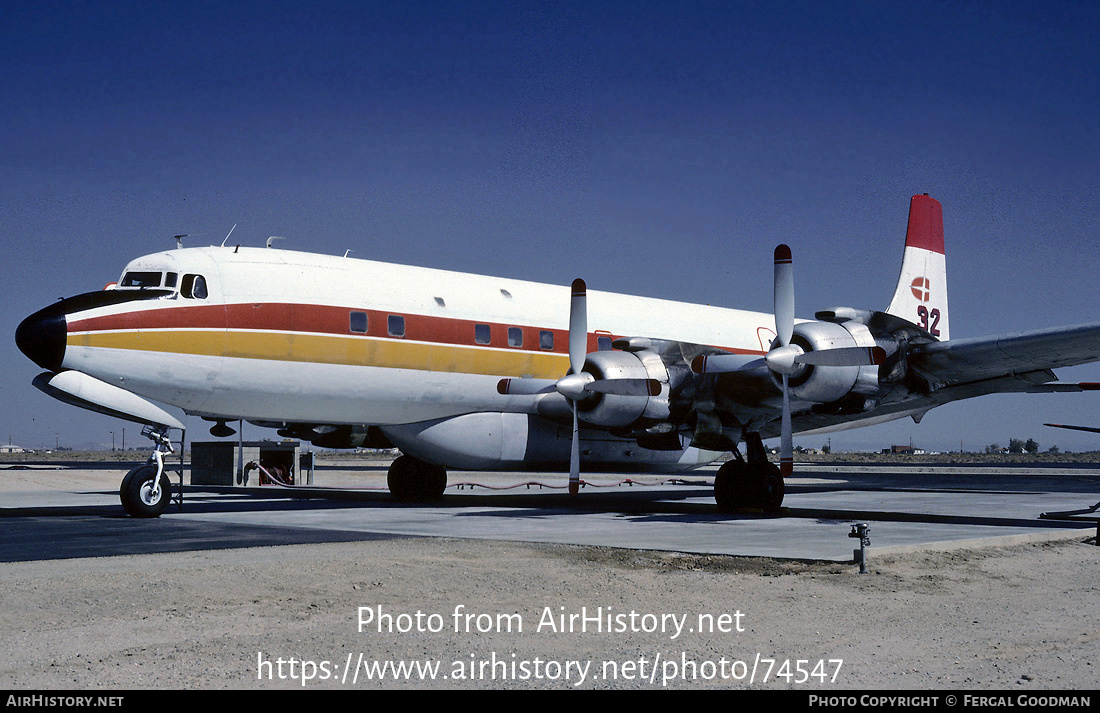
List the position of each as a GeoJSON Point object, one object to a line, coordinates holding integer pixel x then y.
{"type": "Point", "coordinates": [782, 358]}
{"type": "Point", "coordinates": [567, 386]}
{"type": "Point", "coordinates": [579, 385]}
{"type": "Point", "coordinates": [786, 358]}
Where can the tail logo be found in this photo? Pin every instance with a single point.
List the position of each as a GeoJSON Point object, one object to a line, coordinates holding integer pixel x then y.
{"type": "Point", "coordinates": [921, 289]}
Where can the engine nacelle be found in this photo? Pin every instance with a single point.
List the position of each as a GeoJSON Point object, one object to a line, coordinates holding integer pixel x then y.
{"type": "Point", "coordinates": [832, 383]}
{"type": "Point", "coordinates": [619, 410]}
{"type": "Point", "coordinates": [518, 441]}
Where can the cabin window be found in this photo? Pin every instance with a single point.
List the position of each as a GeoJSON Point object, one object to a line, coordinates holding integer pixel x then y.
{"type": "Point", "coordinates": [603, 344]}
{"type": "Point", "coordinates": [483, 334]}
{"type": "Point", "coordinates": [546, 340]}
{"type": "Point", "coordinates": [515, 337]}
{"type": "Point", "coordinates": [141, 279]}
{"type": "Point", "coordinates": [194, 286]}
{"type": "Point", "coordinates": [358, 322]}
{"type": "Point", "coordinates": [395, 325]}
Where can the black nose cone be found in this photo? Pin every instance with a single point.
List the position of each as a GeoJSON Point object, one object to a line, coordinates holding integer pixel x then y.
{"type": "Point", "coordinates": [42, 338]}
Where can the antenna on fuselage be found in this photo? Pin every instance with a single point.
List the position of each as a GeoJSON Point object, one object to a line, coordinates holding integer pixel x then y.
{"type": "Point", "coordinates": [179, 241]}
{"type": "Point", "coordinates": [229, 233]}
{"type": "Point", "coordinates": [347, 252]}
{"type": "Point", "coordinates": [274, 237]}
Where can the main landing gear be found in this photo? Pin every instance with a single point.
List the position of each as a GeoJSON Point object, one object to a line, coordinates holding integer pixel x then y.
{"type": "Point", "coordinates": [413, 479]}
{"type": "Point", "coordinates": [752, 484]}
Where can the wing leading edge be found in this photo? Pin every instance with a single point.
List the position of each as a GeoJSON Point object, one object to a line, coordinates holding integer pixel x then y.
{"type": "Point", "coordinates": [1021, 356]}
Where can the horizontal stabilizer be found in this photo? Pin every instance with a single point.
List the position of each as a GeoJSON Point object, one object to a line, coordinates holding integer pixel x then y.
{"type": "Point", "coordinates": [79, 389]}
{"type": "Point", "coordinates": [1060, 388]}
{"type": "Point", "coordinates": [1089, 429]}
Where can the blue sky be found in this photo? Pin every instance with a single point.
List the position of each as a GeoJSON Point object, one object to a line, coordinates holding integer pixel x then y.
{"type": "Point", "coordinates": [657, 148]}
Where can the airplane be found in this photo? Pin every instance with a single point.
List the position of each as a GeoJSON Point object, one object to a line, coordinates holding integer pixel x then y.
{"type": "Point", "coordinates": [473, 372]}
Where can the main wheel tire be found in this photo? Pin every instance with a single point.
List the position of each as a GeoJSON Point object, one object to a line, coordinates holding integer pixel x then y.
{"type": "Point", "coordinates": [771, 497]}
{"type": "Point", "coordinates": [740, 485]}
{"type": "Point", "coordinates": [731, 486]}
{"type": "Point", "coordinates": [136, 492]}
{"type": "Point", "coordinates": [434, 482]}
{"type": "Point", "coordinates": [411, 479]}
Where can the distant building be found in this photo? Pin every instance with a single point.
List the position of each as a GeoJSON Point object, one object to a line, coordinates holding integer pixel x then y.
{"type": "Point", "coordinates": [902, 450]}
{"type": "Point", "coordinates": [12, 449]}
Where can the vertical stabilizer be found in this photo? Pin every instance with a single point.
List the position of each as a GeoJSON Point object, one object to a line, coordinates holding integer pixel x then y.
{"type": "Point", "coordinates": [921, 295]}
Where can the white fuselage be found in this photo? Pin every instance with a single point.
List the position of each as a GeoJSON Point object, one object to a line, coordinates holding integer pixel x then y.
{"type": "Point", "coordinates": [298, 337]}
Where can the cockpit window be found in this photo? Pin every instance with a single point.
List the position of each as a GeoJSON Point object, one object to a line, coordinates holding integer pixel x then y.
{"type": "Point", "coordinates": [141, 279]}
{"type": "Point", "coordinates": [194, 286]}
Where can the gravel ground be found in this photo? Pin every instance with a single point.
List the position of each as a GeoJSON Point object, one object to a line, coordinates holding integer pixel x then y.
{"type": "Point", "coordinates": [1019, 618]}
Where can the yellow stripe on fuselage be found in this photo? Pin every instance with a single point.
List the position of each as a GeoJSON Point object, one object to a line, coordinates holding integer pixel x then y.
{"type": "Point", "coordinates": [324, 349]}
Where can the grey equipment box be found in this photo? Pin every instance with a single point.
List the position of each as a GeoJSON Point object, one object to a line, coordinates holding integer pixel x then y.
{"type": "Point", "coordinates": [223, 462]}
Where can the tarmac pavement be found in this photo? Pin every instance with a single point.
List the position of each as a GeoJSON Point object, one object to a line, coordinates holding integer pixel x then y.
{"type": "Point", "coordinates": [905, 508]}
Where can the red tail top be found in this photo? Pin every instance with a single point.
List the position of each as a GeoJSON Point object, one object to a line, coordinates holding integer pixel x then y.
{"type": "Point", "coordinates": [925, 224]}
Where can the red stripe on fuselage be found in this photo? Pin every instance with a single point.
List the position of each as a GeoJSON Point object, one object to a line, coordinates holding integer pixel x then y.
{"type": "Point", "coordinates": [316, 319]}
{"type": "Point", "coordinates": [322, 319]}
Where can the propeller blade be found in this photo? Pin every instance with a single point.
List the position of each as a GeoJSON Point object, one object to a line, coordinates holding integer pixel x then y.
{"type": "Point", "coordinates": [784, 330]}
{"type": "Point", "coordinates": [725, 363]}
{"type": "Point", "coordinates": [786, 446]}
{"type": "Point", "coordinates": [844, 356]}
{"type": "Point", "coordinates": [625, 387]}
{"type": "Point", "coordinates": [578, 349]}
{"type": "Point", "coordinates": [575, 456]}
{"type": "Point", "coordinates": [784, 294]}
{"type": "Point", "coordinates": [578, 326]}
{"type": "Point", "coordinates": [524, 387]}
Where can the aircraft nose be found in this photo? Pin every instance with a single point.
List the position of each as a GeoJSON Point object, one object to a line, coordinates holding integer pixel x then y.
{"type": "Point", "coordinates": [42, 336]}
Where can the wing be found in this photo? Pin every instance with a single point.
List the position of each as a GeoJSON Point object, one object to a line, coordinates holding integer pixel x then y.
{"type": "Point", "coordinates": [1022, 356]}
{"type": "Point", "coordinates": [919, 374]}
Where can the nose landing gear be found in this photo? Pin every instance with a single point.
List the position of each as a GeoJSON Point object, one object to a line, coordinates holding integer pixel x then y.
{"type": "Point", "coordinates": [146, 490]}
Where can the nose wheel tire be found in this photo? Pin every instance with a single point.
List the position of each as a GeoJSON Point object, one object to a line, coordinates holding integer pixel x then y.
{"type": "Point", "coordinates": [137, 492]}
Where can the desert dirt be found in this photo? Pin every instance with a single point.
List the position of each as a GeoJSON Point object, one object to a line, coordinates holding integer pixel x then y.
{"type": "Point", "coordinates": [1020, 618]}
